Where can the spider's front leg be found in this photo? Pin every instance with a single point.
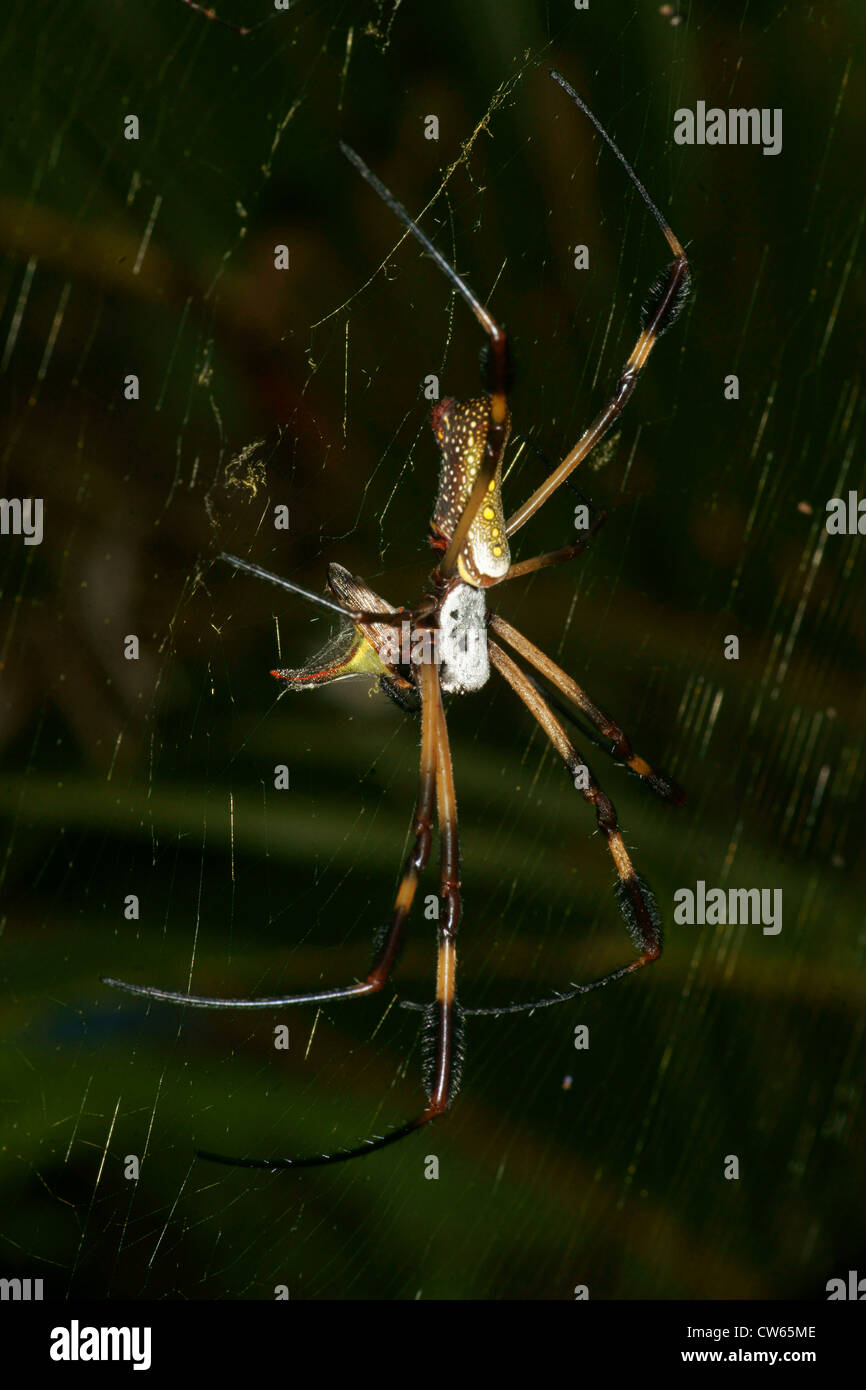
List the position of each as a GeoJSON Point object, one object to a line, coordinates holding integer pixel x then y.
{"type": "Point", "coordinates": [664, 302]}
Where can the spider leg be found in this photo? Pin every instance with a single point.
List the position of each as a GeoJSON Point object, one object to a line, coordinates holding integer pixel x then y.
{"type": "Point", "coordinates": [445, 1018]}
{"type": "Point", "coordinates": [664, 302]}
{"type": "Point", "coordinates": [385, 952]}
{"type": "Point", "coordinates": [556, 557]}
{"type": "Point", "coordinates": [636, 901]}
{"type": "Point", "coordinates": [443, 1027]}
{"type": "Point", "coordinates": [498, 367]}
{"type": "Point", "coordinates": [621, 749]}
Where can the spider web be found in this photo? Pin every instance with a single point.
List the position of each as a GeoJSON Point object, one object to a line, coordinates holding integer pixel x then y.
{"type": "Point", "coordinates": [154, 777]}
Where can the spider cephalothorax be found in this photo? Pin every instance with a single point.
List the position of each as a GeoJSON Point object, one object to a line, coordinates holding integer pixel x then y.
{"type": "Point", "coordinates": [449, 643]}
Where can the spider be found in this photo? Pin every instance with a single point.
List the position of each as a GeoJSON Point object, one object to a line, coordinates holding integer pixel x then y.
{"type": "Point", "coordinates": [453, 642]}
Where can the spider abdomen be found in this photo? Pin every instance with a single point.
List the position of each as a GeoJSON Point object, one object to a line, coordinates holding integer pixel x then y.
{"type": "Point", "coordinates": [463, 661]}
{"type": "Point", "coordinates": [462, 429]}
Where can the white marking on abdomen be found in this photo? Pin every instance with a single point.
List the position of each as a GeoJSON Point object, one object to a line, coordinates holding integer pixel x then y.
{"type": "Point", "coordinates": [463, 660]}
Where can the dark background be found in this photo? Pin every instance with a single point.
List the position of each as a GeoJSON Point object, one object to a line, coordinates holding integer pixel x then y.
{"type": "Point", "coordinates": [155, 777]}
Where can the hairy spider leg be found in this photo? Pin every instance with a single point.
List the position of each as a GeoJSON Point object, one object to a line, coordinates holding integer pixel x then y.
{"type": "Point", "coordinates": [387, 944]}
{"type": "Point", "coordinates": [556, 557]}
{"type": "Point", "coordinates": [444, 1051]}
{"type": "Point", "coordinates": [498, 370]}
{"type": "Point", "coordinates": [664, 302]}
{"type": "Point", "coordinates": [443, 1024]}
{"type": "Point", "coordinates": [660, 784]}
{"type": "Point", "coordinates": [634, 896]}
{"type": "Point", "coordinates": [622, 750]}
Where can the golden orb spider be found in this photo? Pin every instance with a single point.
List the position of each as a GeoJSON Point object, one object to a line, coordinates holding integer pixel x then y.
{"type": "Point", "coordinates": [443, 646]}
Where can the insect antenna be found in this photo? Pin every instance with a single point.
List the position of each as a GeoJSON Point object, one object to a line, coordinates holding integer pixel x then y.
{"type": "Point", "coordinates": [308, 594]}
{"type": "Point", "coordinates": [282, 583]}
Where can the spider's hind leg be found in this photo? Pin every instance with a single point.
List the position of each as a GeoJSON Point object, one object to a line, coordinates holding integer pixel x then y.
{"type": "Point", "coordinates": [443, 1020]}
{"type": "Point", "coordinates": [635, 899]}
{"type": "Point", "coordinates": [620, 747]}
